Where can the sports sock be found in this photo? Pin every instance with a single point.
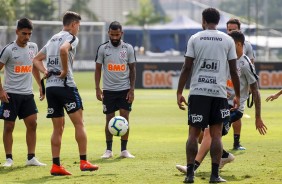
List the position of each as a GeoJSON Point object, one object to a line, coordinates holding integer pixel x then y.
{"type": "Point", "coordinates": [225, 154]}
{"type": "Point", "coordinates": [197, 164]}
{"type": "Point", "coordinates": [123, 144]}
{"type": "Point", "coordinates": [190, 169]}
{"type": "Point", "coordinates": [56, 161]}
{"type": "Point", "coordinates": [236, 139]}
{"type": "Point", "coordinates": [30, 156]}
{"type": "Point", "coordinates": [109, 145]}
{"type": "Point", "coordinates": [9, 156]}
{"type": "Point", "coordinates": [82, 157]}
{"type": "Point", "coordinates": [215, 169]}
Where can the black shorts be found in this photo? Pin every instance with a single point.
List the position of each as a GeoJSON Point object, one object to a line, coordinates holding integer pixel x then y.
{"type": "Point", "coordinates": [115, 100]}
{"type": "Point", "coordinates": [206, 110]}
{"type": "Point", "coordinates": [60, 98]}
{"type": "Point", "coordinates": [235, 115]}
{"type": "Point", "coordinates": [19, 105]}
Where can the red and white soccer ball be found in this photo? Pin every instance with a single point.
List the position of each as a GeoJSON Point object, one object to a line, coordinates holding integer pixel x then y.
{"type": "Point", "coordinates": [118, 126]}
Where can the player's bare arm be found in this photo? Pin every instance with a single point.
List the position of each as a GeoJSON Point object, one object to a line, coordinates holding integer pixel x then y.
{"type": "Point", "coordinates": [132, 78]}
{"type": "Point", "coordinates": [98, 72]}
{"type": "Point", "coordinates": [64, 51]}
{"type": "Point", "coordinates": [260, 126]}
{"type": "Point", "coordinates": [274, 96]}
{"type": "Point", "coordinates": [185, 73]}
{"type": "Point", "coordinates": [3, 95]}
{"type": "Point", "coordinates": [36, 75]}
{"type": "Point", "coordinates": [235, 81]}
{"type": "Point", "coordinates": [38, 63]}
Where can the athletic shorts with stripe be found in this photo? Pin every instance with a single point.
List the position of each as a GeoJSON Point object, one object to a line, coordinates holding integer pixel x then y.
{"type": "Point", "coordinates": [206, 110]}
{"type": "Point", "coordinates": [60, 98]}
{"type": "Point", "coordinates": [19, 105]}
{"type": "Point", "coordinates": [115, 100]}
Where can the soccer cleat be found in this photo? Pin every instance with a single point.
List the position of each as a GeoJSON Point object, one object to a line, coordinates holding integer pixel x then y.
{"type": "Point", "coordinates": [224, 161]}
{"type": "Point", "coordinates": [59, 170]}
{"type": "Point", "coordinates": [107, 154]}
{"type": "Point", "coordinates": [9, 162]}
{"type": "Point", "coordinates": [218, 179]}
{"type": "Point", "coordinates": [182, 168]}
{"type": "Point", "coordinates": [87, 166]}
{"type": "Point", "coordinates": [126, 154]}
{"type": "Point", "coordinates": [238, 147]}
{"type": "Point", "coordinates": [34, 162]}
{"type": "Point", "coordinates": [189, 179]}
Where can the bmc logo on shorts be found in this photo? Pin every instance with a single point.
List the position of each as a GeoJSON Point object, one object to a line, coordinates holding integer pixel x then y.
{"type": "Point", "coordinates": [210, 65]}
{"type": "Point", "coordinates": [196, 118]}
{"type": "Point", "coordinates": [70, 106]}
{"type": "Point", "coordinates": [225, 113]}
{"type": "Point", "coordinates": [23, 69]}
{"type": "Point", "coordinates": [116, 67]}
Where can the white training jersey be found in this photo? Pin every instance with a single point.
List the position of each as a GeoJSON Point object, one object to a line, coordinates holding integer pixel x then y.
{"type": "Point", "coordinates": [52, 52]}
{"type": "Point", "coordinates": [211, 50]}
{"type": "Point", "coordinates": [115, 65]}
{"type": "Point", "coordinates": [248, 50]}
{"type": "Point", "coordinates": [247, 76]}
{"type": "Point", "coordinates": [18, 67]}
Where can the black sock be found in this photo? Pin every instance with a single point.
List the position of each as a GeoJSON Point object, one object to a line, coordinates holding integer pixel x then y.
{"type": "Point", "coordinates": [56, 161]}
{"type": "Point", "coordinates": [30, 156]}
{"type": "Point", "coordinates": [82, 157]}
{"type": "Point", "coordinates": [123, 144]}
{"type": "Point", "coordinates": [190, 169]}
{"type": "Point", "coordinates": [109, 145]}
{"type": "Point", "coordinates": [215, 169]}
{"type": "Point", "coordinates": [197, 164]}
{"type": "Point", "coordinates": [9, 156]}
{"type": "Point", "coordinates": [236, 139]}
{"type": "Point", "coordinates": [225, 154]}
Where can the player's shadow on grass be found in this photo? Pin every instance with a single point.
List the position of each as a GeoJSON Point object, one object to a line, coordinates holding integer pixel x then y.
{"type": "Point", "coordinates": [105, 161]}
{"type": "Point", "coordinates": [5, 170]}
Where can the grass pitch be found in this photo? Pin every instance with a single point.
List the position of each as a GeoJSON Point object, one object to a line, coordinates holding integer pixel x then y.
{"type": "Point", "coordinates": [157, 139]}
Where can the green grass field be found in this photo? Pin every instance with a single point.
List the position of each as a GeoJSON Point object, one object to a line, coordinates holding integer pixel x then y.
{"type": "Point", "coordinates": [157, 139]}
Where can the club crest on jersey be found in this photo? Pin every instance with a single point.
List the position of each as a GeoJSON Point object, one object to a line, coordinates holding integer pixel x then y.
{"type": "Point", "coordinates": [122, 54]}
{"type": "Point", "coordinates": [6, 114]}
{"type": "Point", "coordinates": [31, 54]}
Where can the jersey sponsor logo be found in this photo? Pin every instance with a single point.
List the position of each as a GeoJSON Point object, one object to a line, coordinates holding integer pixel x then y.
{"type": "Point", "coordinates": [122, 54]}
{"type": "Point", "coordinates": [50, 111]}
{"type": "Point", "coordinates": [196, 118]}
{"type": "Point", "coordinates": [53, 60]}
{"type": "Point", "coordinates": [6, 113]}
{"type": "Point", "coordinates": [56, 39]}
{"type": "Point", "coordinates": [23, 68]}
{"type": "Point", "coordinates": [229, 83]}
{"type": "Point", "coordinates": [211, 38]}
{"type": "Point", "coordinates": [116, 67]}
{"type": "Point", "coordinates": [208, 91]}
{"type": "Point", "coordinates": [225, 113]}
{"type": "Point", "coordinates": [210, 65]}
{"type": "Point", "coordinates": [14, 48]}
{"type": "Point", "coordinates": [207, 79]}
{"type": "Point", "coordinates": [70, 106]}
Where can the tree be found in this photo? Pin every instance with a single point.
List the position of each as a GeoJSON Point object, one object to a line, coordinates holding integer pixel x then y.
{"type": "Point", "coordinates": [81, 7]}
{"type": "Point", "coordinates": [145, 16]}
{"type": "Point", "coordinates": [41, 10]}
{"type": "Point", "coordinates": [7, 12]}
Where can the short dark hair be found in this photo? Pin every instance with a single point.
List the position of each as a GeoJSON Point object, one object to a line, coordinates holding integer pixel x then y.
{"type": "Point", "coordinates": [115, 25]}
{"type": "Point", "coordinates": [238, 36]}
{"type": "Point", "coordinates": [234, 21]}
{"type": "Point", "coordinates": [24, 23]}
{"type": "Point", "coordinates": [70, 17]}
{"type": "Point", "coordinates": [211, 15]}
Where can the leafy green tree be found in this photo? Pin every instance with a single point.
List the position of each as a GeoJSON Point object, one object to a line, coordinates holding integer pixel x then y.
{"type": "Point", "coordinates": [81, 7]}
{"type": "Point", "coordinates": [7, 12]}
{"type": "Point", "coordinates": [41, 10]}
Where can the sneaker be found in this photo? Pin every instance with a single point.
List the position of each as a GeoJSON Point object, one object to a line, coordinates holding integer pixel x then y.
{"type": "Point", "coordinates": [218, 179]}
{"type": "Point", "coordinates": [107, 154]}
{"type": "Point", "coordinates": [59, 171]}
{"type": "Point", "coordinates": [189, 179]}
{"type": "Point", "coordinates": [87, 166]}
{"type": "Point", "coordinates": [238, 147]}
{"type": "Point", "coordinates": [9, 162]}
{"type": "Point", "coordinates": [34, 162]}
{"type": "Point", "coordinates": [126, 154]}
{"type": "Point", "coordinates": [224, 161]}
{"type": "Point", "coordinates": [182, 168]}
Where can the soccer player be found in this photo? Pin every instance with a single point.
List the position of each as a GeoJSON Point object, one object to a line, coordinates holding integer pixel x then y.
{"type": "Point", "coordinates": [61, 91]}
{"type": "Point", "coordinates": [119, 74]}
{"type": "Point", "coordinates": [210, 53]}
{"type": "Point", "coordinates": [235, 24]}
{"type": "Point", "coordinates": [248, 78]}
{"type": "Point", "coordinates": [17, 99]}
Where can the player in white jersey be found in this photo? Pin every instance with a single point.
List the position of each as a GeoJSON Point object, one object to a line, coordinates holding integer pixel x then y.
{"type": "Point", "coordinates": [235, 24]}
{"type": "Point", "coordinates": [210, 53]}
{"type": "Point", "coordinates": [119, 72]}
{"type": "Point", "coordinates": [16, 94]}
{"type": "Point", "coordinates": [248, 78]}
{"type": "Point", "coordinates": [61, 91]}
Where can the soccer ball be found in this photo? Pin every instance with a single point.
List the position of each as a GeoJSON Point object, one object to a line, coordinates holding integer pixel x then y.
{"type": "Point", "coordinates": [118, 126]}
